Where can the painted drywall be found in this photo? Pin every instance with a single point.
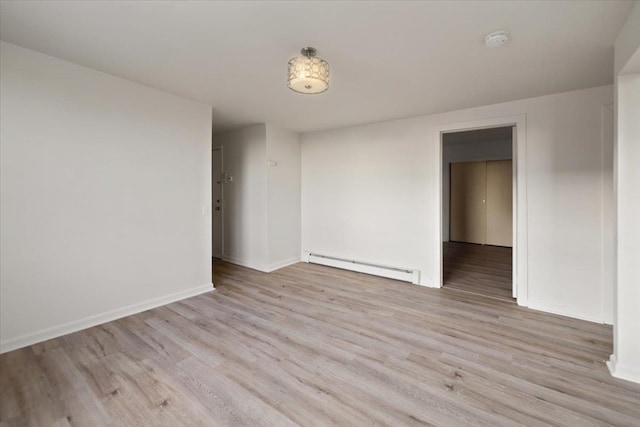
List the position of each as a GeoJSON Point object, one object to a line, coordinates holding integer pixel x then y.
{"type": "Point", "coordinates": [103, 183]}
{"type": "Point", "coordinates": [608, 213]}
{"type": "Point", "coordinates": [627, 42]}
{"type": "Point", "coordinates": [262, 201]}
{"type": "Point", "coordinates": [245, 196]}
{"type": "Point", "coordinates": [369, 193]}
{"type": "Point", "coordinates": [467, 152]}
{"type": "Point", "coordinates": [283, 175]}
{"type": "Point", "coordinates": [626, 358]}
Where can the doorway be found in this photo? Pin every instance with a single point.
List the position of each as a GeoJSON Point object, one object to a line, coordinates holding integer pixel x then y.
{"type": "Point", "coordinates": [477, 227]}
{"type": "Point", "coordinates": [216, 197]}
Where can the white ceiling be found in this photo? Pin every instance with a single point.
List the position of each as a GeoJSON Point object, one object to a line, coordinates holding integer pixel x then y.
{"type": "Point", "coordinates": [388, 59]}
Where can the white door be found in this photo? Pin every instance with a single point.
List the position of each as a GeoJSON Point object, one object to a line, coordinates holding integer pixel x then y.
{"type": "Point", "coordinates": [216, 185]}
{"type": "Point", "coordinates": [499, 205]}
{"type": "Point", "coordinates": [467, 202]}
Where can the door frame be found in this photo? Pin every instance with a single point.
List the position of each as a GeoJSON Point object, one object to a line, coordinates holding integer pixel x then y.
{"type": "Point", "coordinates": [213, 178]}
{"type": "Point", "coordinates": [519, 157]}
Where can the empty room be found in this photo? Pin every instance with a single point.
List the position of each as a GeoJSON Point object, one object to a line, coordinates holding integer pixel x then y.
{"type": "Point", "coordinates": [274, 213]}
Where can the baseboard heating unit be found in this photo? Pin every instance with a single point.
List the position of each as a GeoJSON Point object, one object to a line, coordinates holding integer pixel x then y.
{"type": "Point", "coordinates": [397, 273]}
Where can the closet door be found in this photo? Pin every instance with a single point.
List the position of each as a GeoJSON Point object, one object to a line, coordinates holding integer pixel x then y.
{"type": "Point", "coordinates": [499, 199]}
{"type": "Point", "coordinates": [467, 203]}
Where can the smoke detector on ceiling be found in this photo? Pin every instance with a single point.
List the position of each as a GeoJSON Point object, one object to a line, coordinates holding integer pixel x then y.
{"type": "Point", "coordinates": [496, 38]}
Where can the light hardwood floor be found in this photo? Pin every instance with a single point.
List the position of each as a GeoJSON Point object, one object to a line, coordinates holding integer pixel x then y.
{"type": "Point", "coordinates": [485, 270]}
{"type": "Point", "coordinates": [315, 346]}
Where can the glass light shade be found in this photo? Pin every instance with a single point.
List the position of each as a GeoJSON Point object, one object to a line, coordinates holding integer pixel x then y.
{"type": "Point", "coordinates": [308, 74]}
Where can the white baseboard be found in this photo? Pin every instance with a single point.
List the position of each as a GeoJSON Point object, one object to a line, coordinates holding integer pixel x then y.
{"type": "Point", "coordinates": [278, 265]}
{"type": "Point", "coordinates": [623, 371]}
{"type": "Point", "coordinates": [265, 269]}
{"type": "Point", "coordinates": [243, 263]}
{"type": "Point", "coordinates": [562, 312]}
{"type": "Point", "coordinates": [428, 284]}
{"type": "Point", "coordinates": [98, 319]}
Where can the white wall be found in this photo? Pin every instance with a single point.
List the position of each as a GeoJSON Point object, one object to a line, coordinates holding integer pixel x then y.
{"type": "Point", "coordinates": [262, 203]}
{"type": "Point", "coordinates": [369, 193]}
{"type": "Point", "coordinates": [627, 324]}
{"type": "Point", "coordinates": [102, 187]}
{"type": "Point", "coordinates": [283, 150]}
{"type": "Point", "coordinates": [625, 360]}
{"type": "Point", "coordinates": [628, 41]}
{"type": "Point", "coordinates": [467, 152]}
{"type": "Point", "coordinates": [608, 213]}
{"type": "Point", "coordinates": [244, 154]}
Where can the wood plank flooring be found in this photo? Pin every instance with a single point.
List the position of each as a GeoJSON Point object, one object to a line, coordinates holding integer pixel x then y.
{"type": "Point", "coordinates": [314, 346]}
{"type": "Point", "coordinates": [484, 270]}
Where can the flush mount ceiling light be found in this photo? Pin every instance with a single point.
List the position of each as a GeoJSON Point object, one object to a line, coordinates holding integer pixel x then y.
{"type": "Point", "coordinates": [496, 38]}
{"type": "Point", "coordinates": [307, 73]}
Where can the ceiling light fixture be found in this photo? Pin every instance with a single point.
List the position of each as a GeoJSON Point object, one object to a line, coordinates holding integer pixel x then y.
{"type": "Point", "coordinates": [307, 73]}
{"type": "Point", "coordinates": [496, 38]}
